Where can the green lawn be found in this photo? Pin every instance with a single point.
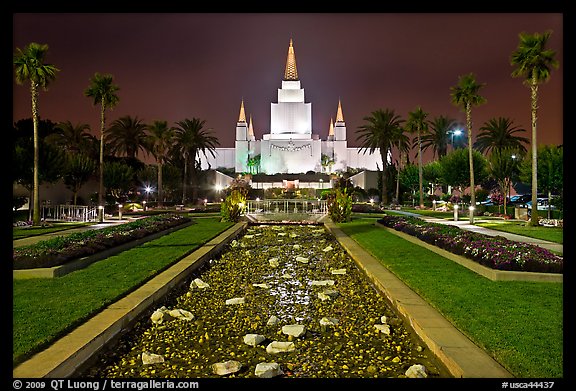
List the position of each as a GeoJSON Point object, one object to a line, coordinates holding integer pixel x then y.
{"type": "Point", "coordinates": [44, 309]}
{"type": "Point", "coordinates": [518, 323]}
{"type": "Point", "coordinates": [552, 234]}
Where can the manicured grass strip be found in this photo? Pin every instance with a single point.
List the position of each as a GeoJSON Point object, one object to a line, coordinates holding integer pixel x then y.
{"type": "Point", "coordinates": [20, 233]}
{"type": "Point", "coordinates": [552, 234]}
{"type": "Point", "coordinates": [518, 323]}
{"type": "Point", "coordinates": [45, 309]}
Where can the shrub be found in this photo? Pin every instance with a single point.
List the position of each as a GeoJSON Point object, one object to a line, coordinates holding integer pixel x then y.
{"type": "Point", "coordinates": [233, 206]}
{"type": "Point", "coordinates": [340, 206]}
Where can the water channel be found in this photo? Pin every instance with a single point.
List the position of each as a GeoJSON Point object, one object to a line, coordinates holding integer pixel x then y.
{"type": "Point", "coordinates": [272, 276]}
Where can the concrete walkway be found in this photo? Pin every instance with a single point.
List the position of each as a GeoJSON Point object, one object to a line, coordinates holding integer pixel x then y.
{"type": "Point", "coordinates": [465, 224]}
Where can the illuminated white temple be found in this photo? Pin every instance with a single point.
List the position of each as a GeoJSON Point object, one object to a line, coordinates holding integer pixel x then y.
{"type": "Point", "coordinates": [291, 146]}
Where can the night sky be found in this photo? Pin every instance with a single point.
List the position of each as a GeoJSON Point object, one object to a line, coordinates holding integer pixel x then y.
{"type": "Point", "coordinates": [173, 66]}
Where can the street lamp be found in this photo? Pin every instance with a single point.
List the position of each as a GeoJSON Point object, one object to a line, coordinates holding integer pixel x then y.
{"type": "Point", "coordinates": [148, 189]}
{"type": "Point", "coordinates": [120, 211]}
{"type": "Point", "coordinates": [456, 132]}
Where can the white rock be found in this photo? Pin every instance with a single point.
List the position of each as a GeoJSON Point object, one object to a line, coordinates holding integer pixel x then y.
{"type": "Point", "coordinates": [329, 248]}
{"type": "Point", "coordinates": [268, 370]}
{"type": "Point", "coordinates": [226, 368]}
{"type": "Point", "coordinates": [296, 247]}
{"type": "Point", "coordinates": [416, 371]}
{"type": "Point", "coordinates": [286, 276]}
{"type": "Point", "coordinates": [273, 321]}
{"type": "Point", "coordinates": [248, 236]}
{"type": "Point", "coordinates": [325, 321]}
{"type": "Point", "coordinates": [265, 286]}
{"type": "Point", "coordinates": [281, 233]}
{"type": "Point", "coordinates": [151, 358]}
{"type": "Point", "coordinates": [198, 283]}
{"type": "Point", "coordinates": [273, 262]}
{"type": "Point", "coordinates": [302, 259]}
{"type": "Point", "coordinates": [295, 330]}
{"type": "Point", "coordinates": [253, 339]}
{"type": "Point", "coordinates": [236, 300]}
{"type": "Point", "coordinates": [157, 316]}
{"type": "Point", "coordinates": [338, 271]}
{"type": "Point", "coordinates": [323, 296]}
{"type": "Point", "coordinates": [383, 319]}
{"type": "Point", "coordinates": [280, 347]}
{"type": "Point", "coordinates": [384, 328]}
{"type": "Point", "coordinates": [322, 282]}
{"type": "Point", "coordinates": [181, 314]}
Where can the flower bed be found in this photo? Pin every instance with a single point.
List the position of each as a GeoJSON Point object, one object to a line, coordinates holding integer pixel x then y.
{"type": "Point", "coordinates": [63, 249]}
{"type": "Point", "coordinates": [495, 252]}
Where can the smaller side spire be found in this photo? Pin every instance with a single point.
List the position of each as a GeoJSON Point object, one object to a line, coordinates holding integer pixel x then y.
{"type": "Point", "coordinates": [331, 131]}
{"type": "Point", "coordinates": [242, 116]}
{"type": "Point", "coordinates": [339, 115]}
{"type": "Point", "coordinates": [250, 128]}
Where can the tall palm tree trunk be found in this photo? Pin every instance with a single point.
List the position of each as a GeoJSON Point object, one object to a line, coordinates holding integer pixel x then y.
{"type": "Point", "coordinates": [36, 180]}
{"type": "Point", "coordinates": [420, 180]}
{"type": "Point", "coordinates": [160, 190]}
{"type": "Point", "coordinates": [472, 185]}
{"type": "Point", "coordinates": [101, 179]}
{"type": "Point", "coordinates": [384, 157]}
{"type": "Point", "coordinates": [184, 180]}
{"type": "Point", "coordinates": [534, 96]}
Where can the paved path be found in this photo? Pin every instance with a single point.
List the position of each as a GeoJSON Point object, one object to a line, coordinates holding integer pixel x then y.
{"type": "Point", "coordinates": [465, 224]}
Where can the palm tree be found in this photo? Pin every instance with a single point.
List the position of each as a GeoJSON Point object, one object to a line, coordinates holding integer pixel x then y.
{"type": "Point", "coordinates": [503, 165]}
{"type": "Point", "coordinates": [159, 142]}
{"type": "Point", "coordinates": [438, 138]}
{"type": "Point", "coordinates": [533, 62]}
{"type": "Point", "coordinates": [380, 133]}
{"type": "Point", "coordinates": [72, 138]}
{"type": "Point", "coordinates": [498, 133]}
{"type": "Point", "coordinates": [127, 136]}
{"type": "Point", "coordinates": [103, 91]}
{"type": "Point", "coordinates": [465, 94]}
{"type": "Point", "coordinates": [417, 124]}
{"type": "Point", "coordinates": [29, 66]}
{"type": "Point", "coordinates": [402, 144]}
{"type": "Point", "coordinates": [191, 139]}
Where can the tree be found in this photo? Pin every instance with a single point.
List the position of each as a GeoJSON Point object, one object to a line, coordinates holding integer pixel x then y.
{"type": "Point", "coordinates": [159, 142]}
{"type": "Point", "coordinates": [417, 124]}
{"type": "Point", "coordinates": [103, 92]}
{"type": "Point", "coordinates": [551, 172]}
{"type": "Point", "coordinates": [127, 136]}
{"type": "Point", "coordinates": [534, 63]}
{"type": "Point", "coordinates": [191, 139]}
{"type": "Point", "coordinates": [438, 137]}
{"type": "Point", "coordinates": [381, 132]}
{"type": "Point", "coordinates": [402, 144]}
{"type": "Point", "coordinates": [498, 133]}
{"type": "Point", "coordinates": [503, 165]}
{"type": "Point", "coordinates": [455, 168]}
{"type": "Point", "coordinates": [72, 138]}
{"type": "Point", "coordinates": [409, 177]}
{"type": "Point", "coordinates": [29, 66]}
{"type": "Point", "coordinates": [118, 177]}
{"type": "Point", "coordinates": [465, 94]}
{"type": "Point", "coordinates": [79, 169]}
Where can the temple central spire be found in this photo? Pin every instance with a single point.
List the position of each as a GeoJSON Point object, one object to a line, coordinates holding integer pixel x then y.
{"type": "Point", "coordinates": [291, 73]}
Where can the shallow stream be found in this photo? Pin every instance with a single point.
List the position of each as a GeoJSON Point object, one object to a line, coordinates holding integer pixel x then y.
{"type": "Point", "coordinates": [296, 273]}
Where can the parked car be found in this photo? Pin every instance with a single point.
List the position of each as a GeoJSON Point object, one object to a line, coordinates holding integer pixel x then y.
{"type": "Point", "coordinates": [520, 199]}
{"type": "Point", "coordinates": [542, 204]}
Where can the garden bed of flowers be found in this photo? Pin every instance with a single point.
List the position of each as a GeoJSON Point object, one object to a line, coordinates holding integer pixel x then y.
{"type": "Point", "coordinates": [66, 248]}
{"type": "Point", "coordinates": [495, 252]}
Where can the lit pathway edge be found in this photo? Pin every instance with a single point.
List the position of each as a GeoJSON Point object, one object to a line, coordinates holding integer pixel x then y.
{"type": "Point", "coordinates": [462, 357]}
{"type": "Point", "coordinates": [68, 355]}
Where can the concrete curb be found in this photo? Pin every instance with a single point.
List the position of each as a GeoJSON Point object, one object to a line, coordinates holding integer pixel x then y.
{"type": "Point", "coordinates": [69, 355]}
{"type": "Point", "coordinates": [462, 357]}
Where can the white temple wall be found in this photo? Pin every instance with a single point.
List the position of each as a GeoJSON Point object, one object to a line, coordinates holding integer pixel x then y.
{"type": "Point", "coordinates": [291, 118]}
{"type": "Point", "coordinates": [359, 158]}
{"type": "Point", "coordinates": [223, 157]}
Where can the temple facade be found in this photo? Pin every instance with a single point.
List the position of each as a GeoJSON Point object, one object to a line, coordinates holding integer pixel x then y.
{"type": "Point", "coordinates": [291, 146]}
